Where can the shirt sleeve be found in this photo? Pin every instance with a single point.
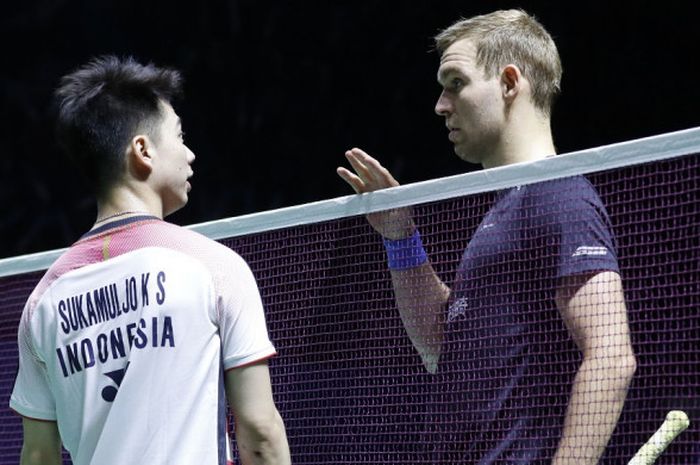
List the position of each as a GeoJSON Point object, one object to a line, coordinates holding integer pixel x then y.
{"type": "Point", "coordinates": [577, 226]}
{"type": "Point", "coordinates": [242, 324]}
{"type": "Point", "coordinates": [31, 396]}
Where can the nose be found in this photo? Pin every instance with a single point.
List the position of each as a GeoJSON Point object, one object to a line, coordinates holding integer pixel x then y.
{"type": "Point", "coordinates": [190, 156]}
{"type": "Point", "coordinates": [443, 106]}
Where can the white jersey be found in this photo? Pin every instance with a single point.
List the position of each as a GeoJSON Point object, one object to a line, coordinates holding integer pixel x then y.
{"type": "Point", "coordinates": [125, 340]}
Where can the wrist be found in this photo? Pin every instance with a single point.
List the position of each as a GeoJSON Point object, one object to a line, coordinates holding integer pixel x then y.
{"type": "Point", "coordinates": [403, 254]}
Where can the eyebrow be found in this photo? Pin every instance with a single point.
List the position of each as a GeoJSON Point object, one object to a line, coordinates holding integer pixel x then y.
{"type": "Point", "coordinates": [443, 73]}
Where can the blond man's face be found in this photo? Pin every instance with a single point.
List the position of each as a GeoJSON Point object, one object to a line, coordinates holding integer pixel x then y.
{"type": "Point", "coordinates": [471, 103]}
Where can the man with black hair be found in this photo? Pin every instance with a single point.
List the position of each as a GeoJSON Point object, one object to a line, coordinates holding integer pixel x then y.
{"type": "Point", "coordinates": [135, 337]}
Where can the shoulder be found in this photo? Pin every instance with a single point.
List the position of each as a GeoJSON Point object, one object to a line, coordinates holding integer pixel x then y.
{"type": "Point", "coordinates": [565, 204]}
{"type": "Point", "coordinates": [221, 261]}
{"type": "Point", "coordinates": [195, 244]}
{"type": "Point", "coordinates": [569, 187]}
{"type": "Point", "coordinates": [569, 193]}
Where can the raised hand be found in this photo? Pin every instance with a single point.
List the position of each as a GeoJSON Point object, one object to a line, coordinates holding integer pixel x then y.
{"type": "Point", "coordinates": [370, 176]}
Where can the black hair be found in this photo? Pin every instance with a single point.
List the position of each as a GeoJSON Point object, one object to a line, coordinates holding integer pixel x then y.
{"type": "Point", "coordinates": [105, 103]}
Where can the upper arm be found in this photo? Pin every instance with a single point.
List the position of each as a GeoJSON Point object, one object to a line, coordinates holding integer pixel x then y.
{"type": "Point", "coordinates": [260, 433]}
{"type": "Point", "coordinates": [246, 347]}
{"type": "Point", "coordinates": [249, 393]}
{"type": "Point", "coordinates": [241, 318]}
{"type": "Point", "coordinates": [42, 442]}
{"type": "Point", "coordinates": [31, 396]}
{"type": "Point", "coordinates": [589, 293]}
{"type": "Point", "coordinates": [593, 308]}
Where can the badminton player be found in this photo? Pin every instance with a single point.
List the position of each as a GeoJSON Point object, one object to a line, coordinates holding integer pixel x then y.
{"type": "Point", "coordinates": [134, 339]}
{"type": "Point", "coordinates": [539, 280]}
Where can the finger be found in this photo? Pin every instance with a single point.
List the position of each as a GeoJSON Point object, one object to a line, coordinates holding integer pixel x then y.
{"type": "Point", "coordinates": [360, 153]}
{"type": "Point", "coordinates": [373, 173]}
{"type": "Point", "coordinates": [375, 170]}
{"type": "Point", "coordinates": [355, 182]}
{"type": "Point", "coordinates": [361, 157]}
{"type": "Point", "coordinates": [359, 167]}
{"type": "Point", "coordinates": [380, 173]}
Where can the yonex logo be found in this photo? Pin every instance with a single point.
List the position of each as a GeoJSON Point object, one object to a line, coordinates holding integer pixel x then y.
{"type": "Point", "coordinates": [587, 250]}
{"type": "Point", "coordinates": [110, 392]}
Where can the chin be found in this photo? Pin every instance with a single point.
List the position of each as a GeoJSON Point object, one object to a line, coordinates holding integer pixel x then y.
{"type": "Point", "coordinates": [174, 208]}
{"type": "Point", "coordinates": [465, 156]}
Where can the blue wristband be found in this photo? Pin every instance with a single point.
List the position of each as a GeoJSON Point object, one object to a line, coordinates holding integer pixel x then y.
{"type": "Point", "coordinates": [405, 253]}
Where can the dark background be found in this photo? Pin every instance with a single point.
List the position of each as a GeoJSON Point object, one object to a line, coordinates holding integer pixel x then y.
{"type": "Point", "coordinates": [276, 91]}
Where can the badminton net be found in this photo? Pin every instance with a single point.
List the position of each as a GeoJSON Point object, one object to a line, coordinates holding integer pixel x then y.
{"type": "Point", "coordinates": [348, 380]}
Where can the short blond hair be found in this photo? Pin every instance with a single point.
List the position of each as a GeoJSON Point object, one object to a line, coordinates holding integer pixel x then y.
{"type": "Point", "coordinates": [511, 37]}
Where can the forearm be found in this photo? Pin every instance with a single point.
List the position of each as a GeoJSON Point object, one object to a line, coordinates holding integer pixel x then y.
{"type": "Point", "coordinates": [597, 398]}
{"type": "Point", "coordinates": [264, 444]}
{"type": "Point", "coordinates": [421, 298]}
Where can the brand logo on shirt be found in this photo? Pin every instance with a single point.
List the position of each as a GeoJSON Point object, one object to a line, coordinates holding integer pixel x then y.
{"type": "Point", "coordinates": [117, 376]}
{"type": "Point", "coordinates": [457, 309]}
{"type": "Point", "coordinates": [589, 251]}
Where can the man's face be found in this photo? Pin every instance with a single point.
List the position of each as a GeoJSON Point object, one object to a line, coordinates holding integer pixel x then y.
{"type": "Point", "coordinates": [172, 166]}
{"type": "Point", "coordinates": [472, 104]}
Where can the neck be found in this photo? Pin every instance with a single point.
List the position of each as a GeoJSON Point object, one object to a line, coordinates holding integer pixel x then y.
{"type": "Point", "coordinates": [528, 138]}
{"type": "Point", "coordinates": [123, 202]}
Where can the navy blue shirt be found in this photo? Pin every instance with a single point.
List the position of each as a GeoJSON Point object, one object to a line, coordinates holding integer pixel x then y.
{"type": "Point", "coordinates": [508, 362]}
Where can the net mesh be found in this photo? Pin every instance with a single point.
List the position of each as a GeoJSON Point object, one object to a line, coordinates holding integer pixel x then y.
{"type": "Point", "coordinates": [352, 387]}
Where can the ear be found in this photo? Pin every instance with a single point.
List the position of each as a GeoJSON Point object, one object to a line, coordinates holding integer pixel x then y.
{"type": "Point", "coordinates": [140, 155]}
{"type": "Point", "coordinates": [512, 82]}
